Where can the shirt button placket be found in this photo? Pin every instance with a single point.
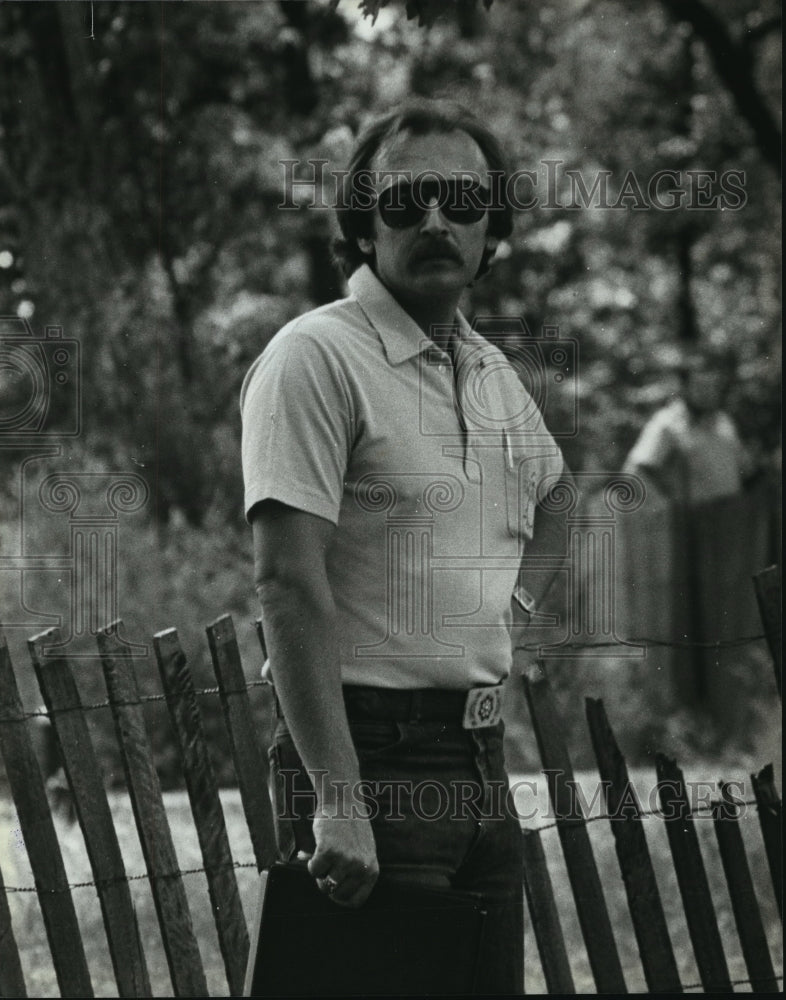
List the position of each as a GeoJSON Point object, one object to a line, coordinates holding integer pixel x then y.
{"type": "Point", "coordinates": [471, 466]}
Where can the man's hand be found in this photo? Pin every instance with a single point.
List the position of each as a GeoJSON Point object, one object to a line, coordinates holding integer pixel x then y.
{"type": "Point", "coordinates": [345, 860]}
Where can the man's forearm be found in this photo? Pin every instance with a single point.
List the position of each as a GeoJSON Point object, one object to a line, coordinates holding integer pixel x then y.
{"type": "Point", "coordinates": [300, 630]}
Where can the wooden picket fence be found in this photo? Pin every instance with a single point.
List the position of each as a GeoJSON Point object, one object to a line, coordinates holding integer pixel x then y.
{"type": "Point", "coordinates": [693, 586]}
{"type": "Point", "coordinates": [83, 773]}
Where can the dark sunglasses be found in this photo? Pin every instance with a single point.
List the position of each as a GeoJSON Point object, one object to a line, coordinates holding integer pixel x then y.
{"type": "Point", "coordinates": [403, 205]}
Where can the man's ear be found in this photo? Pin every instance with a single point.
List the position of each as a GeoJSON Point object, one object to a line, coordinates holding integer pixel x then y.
{"type": "Point", "coordinates": [366, 246]}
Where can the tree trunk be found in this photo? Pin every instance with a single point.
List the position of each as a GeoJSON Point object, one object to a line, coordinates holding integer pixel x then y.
{"type": "Point", "coordinates": [732, 62]}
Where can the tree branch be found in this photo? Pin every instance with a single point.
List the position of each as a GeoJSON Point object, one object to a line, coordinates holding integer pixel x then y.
{"type": "Point", "coordinates": [733, 65]}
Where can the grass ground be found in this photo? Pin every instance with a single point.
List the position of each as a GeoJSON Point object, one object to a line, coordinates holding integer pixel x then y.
{"type": "Point", "coordinates": [31, 940]}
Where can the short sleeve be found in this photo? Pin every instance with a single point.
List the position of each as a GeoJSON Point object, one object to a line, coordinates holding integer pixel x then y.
{"type": "Point", "coordinates": [546, 464]}
{"type": "Point", "coordinates": [296, 426]}
{"type": "Point", "coordinates": [654, 446]}
{"type": "Point", "coordinates": [727, 430]}
{"type": "Point", "coordinates": [551, 463]}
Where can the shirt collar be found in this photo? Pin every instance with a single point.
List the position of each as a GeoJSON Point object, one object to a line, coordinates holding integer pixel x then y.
{"type": "Point", "coordinates": [401, 336]}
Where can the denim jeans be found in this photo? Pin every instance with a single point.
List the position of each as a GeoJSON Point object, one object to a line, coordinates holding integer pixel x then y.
{"type": "Point", "coordinates": [442, 816]}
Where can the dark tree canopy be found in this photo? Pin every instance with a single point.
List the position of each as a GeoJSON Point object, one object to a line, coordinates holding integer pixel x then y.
{"type": "Point", "coordinates": [142, 168]}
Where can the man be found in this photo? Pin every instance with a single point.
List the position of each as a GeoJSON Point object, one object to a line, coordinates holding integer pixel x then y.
{"type": "Point", "coordinates": [393, 463]}
{"type": "Point", "coordinates": [693, 465]}
{"type": "Point", "coordinates": [689, 451]}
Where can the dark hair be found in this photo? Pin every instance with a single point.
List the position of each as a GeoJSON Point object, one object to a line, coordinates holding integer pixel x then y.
{"type": "Point", "coordinates": [421, 116]}
{"type": "Point", "coordinates": [720, 360]}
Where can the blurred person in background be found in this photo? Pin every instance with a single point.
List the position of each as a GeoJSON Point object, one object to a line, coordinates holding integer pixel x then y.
{"type": "Point", "coordinates": [695, 470]}
{"type": "Point", "coordinates": [689, 451]}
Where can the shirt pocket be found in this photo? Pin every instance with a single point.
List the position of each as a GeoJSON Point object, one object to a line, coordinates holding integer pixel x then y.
{"type": "Point", "coordinates": [521, 486]}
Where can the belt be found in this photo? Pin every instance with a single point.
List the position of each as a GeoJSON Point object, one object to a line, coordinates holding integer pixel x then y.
{"type": "Point", "coordinates": [477, 708]}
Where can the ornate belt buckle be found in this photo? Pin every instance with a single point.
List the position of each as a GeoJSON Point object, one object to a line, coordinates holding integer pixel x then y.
{"type": "Point", "coordinates": [483, 707]}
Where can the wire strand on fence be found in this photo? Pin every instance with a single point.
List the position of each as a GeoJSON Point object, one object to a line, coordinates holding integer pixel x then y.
{"type": "Point", "coordinates": [145, 699]}
{"type": "Point", "coordinates": [252, 864]}
{"type": "Point", "coordinates": [643, 814]}
{"type": "Point", "coordinates": [235, 865]}
{"type": "Point", "coordinates": [144, 876]}
{"type": "Point", "coordinates": [742, 640]}
{"type": "Point", "coordinates": [640, 814]}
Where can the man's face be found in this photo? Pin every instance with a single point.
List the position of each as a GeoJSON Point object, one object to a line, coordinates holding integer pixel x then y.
{"type": "Point", "coordinates": [434, 257]}
{"type": "Point", "coordinates": [705, 391]}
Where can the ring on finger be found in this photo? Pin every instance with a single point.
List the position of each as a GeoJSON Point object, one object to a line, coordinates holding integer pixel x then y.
{"type": "Point", "coordinates": [330, 885]}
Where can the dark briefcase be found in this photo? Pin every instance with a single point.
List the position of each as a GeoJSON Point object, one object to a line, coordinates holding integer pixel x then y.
{"type": "Point", "coordinates": [405, 940]}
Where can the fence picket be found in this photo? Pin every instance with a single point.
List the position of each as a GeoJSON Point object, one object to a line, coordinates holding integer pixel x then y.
{"type": "Point", "coordinates": [544, 916]}
{"type": "Point", "coordinates": [206, 807]}
{"type": "Point", "coordinates": [63, 703]}
{"type": "Point", "coordinates": [261, 637]}
{"type": "Point", "coordinates": [747, 917]}
{"type": "Point", "coordinates": [770, 810]}
{"type": "Point", "coordinates": [571, 826]}
{"type": "Point", "coordinates": [166, 884]}
{"type": "Point", "coordinates": [38, 830]}
{"type": "Point", "coordinates": [250, 762]}
{"type": "Point", "coordinates": [768, 594]}
{"type": "Point", "coordinates": [12, 981]}
{"type": "Point", "coordinates": [691, 877]}
{"type": "Point", "coordinates": [641, 888]}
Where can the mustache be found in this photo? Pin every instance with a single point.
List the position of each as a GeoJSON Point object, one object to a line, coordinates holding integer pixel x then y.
{"type": "Point", "coordinates": [437, 248]}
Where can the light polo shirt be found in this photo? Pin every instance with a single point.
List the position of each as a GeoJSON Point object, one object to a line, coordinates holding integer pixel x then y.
{"type": "Point", "coordinates": [700, 458]}
{"type": "Point", "coordinates": [351, 413]}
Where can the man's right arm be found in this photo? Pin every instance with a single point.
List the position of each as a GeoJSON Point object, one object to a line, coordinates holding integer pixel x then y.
{"type": "Point", "coordinates": [299, 619]}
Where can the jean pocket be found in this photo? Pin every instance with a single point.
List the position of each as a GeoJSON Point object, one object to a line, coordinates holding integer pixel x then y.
{"type": "Point", "coordinates": [282, 817]}
{"type": "Point", "coordinates": [374, 738]}
{"type": "Point", "coordinates": [294, 800]}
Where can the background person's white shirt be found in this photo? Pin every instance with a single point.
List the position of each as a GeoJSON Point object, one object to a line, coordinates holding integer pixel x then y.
{"type": "Point", "coordinates": [695, 459]}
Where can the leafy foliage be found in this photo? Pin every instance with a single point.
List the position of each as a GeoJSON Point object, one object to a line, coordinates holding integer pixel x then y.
{"type": "Point", "coordinates": [426, 11]}
{"type": "Point", "coordinates": [142, 166]}
{"type": "Point", "coordinates": [149, 169]}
